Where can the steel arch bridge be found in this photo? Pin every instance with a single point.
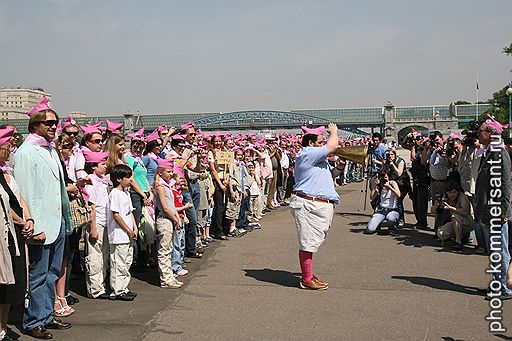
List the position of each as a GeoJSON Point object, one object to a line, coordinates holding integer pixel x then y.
{"type": "Point", "coordinates": [261, 119]}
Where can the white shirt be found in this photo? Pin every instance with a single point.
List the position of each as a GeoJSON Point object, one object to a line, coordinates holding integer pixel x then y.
{"type": "Point", "coordinates": [120, 202]}
{"type": "Point", "coordinates": [285, 160]}
{"type": "Point", "coordinates": [98, 195]}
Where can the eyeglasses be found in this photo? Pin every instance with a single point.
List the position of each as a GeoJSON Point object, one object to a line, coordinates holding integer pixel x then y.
{"type": "Point", "coordinates": [67, 146]}
{"type": "Point", "coordinates": [192, 134]}
{"type": "Point", "coordinates": [71, 133]}
{"type": "Point", "coordinates": [97, 141]}
{"type": "Point", "coordinates": [50, 123]}
{"type": "Point", "coordinates": [138, 147]}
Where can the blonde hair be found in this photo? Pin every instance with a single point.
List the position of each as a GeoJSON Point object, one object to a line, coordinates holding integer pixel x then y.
{"type": "Point", "coordinates": [110, 148]}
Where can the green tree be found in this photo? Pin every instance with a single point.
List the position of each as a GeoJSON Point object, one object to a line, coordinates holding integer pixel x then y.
{"type": "Point", "coordinates": [508, 50]}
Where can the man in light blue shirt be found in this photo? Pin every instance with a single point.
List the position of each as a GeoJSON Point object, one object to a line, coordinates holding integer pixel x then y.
{"type": "Point", "coordinates": [313, 199]}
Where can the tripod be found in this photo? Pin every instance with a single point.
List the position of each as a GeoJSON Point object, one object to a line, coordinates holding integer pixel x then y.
{"type": "Point", "coordinates": [364, 187]}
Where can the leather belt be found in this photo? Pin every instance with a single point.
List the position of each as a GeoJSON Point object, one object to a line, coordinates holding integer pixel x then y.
{"type": "Point", "coordinates": [308, 197]}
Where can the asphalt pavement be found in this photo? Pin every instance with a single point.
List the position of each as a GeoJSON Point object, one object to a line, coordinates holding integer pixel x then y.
{"type": "Point", "coordinates": [408, 287]}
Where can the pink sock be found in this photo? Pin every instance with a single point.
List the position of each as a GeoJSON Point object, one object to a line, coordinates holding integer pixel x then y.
{"type": "Point", "coordinates": [306, 265]}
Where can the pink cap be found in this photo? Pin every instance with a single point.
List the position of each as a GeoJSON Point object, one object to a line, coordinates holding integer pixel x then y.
{"type": "Point", "coordinates": [199, 132]}
{"type": "Point", "coordinates": [314, 131]}
{"type": "Point", "coordinates": [114, 126]}
{"type": "Point", "coordinates": [219, 134]}
{"type": "Point", "coordinates": [178, 137]}
{"type": "Point", "coordinates": [59, 126]}
{"type": "Point", "coordinates": [89, 129]}
{"type": "Point", "coordinates": [95, 157]}
{"type": "Point", "coordinates": [153, 136]}
{"type": "Point", "coordinates": [207, 135]}
{"type": "Point", "coordinates": [187, 125]}
{"type": "Point", "coordinates": [165, 163]}
{"type": "Point", "coordinates": [163, 127]}
{"type": "Point", "coordinates": [44, 104]}
{"type": "Point", "coordinates": [497, 126]}
{"type": "Point", "coordinates": [69, 121]}
{"type": "Point", "coordinates": [138, 135]}
{"type": "Point", "coordinates": [5, 135]}
{"type": "Point", "coordinates": [453, 135]}
{"type": "Point", "coordinates": [178, 169]}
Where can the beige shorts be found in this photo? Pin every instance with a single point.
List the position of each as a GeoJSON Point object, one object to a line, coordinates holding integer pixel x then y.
{"type": "Point", "coordinates": [313, 220]}
{"type": "Point", "coordinates": [446, 231]}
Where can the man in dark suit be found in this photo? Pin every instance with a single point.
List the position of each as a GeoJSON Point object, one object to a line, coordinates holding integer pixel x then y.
{"type": "Point", "coordinates": [492, 203]}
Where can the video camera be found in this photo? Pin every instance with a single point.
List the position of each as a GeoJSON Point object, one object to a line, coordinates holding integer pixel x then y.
{"type": "Point", "coordinates": [471, 133]}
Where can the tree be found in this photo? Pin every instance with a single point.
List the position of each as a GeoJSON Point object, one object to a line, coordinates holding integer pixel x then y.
{"type": "Point", "coordinates": [508, 50]}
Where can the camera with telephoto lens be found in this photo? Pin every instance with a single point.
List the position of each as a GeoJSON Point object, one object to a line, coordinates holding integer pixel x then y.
{"type": "Point", "coordinates": [471, 133]}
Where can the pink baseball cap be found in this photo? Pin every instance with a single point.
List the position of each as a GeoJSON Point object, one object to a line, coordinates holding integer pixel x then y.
{"type": "Point", "coordinates": [95, 157]}
{"type": "Point", "coordinates": [5, 135]}
{"type": "Point", "coordinates": [187, 125]}
{"type": "Point", "coordinates": [44, 104]}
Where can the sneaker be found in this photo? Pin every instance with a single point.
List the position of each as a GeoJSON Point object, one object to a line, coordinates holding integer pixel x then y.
{"type": "Point", "coordinates": [172, 285]}
{"type": "Point", "coordinates": [401, 223]}
{"type": "Point", "coordinates": [242, 230]}
{"type": "Point", "coordinates": [183, 272]}
{"type": "Point", "coordinates": [257, 226]}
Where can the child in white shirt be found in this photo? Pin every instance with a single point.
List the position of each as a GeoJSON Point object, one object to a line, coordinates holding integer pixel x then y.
{"type": "Point", "coordinates": [122, 230]}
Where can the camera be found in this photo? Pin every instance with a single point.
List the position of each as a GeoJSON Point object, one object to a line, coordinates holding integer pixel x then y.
{"type": "Point", "coordinates": [441, 204]}
{"type": "Point", "coordinates": [471, 133]}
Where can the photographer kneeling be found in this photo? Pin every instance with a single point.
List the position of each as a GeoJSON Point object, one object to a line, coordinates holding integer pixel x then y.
{"type": "Point", "coordinates": [399, 174]}
{"type": "Point", "coordinates": [388, 207]}
{"type": "Point", "coordinates": [455, 211]}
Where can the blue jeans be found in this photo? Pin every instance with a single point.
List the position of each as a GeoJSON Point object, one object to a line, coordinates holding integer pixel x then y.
{"type": "Point", "coordinates": [44, 269]}
{"type": "Point", "coordinates": [379, 216]}
{"type": "Point", "coordinates": [190, 228]}
{"type": "Point", "coordinates": [178, 249]}
{"type": "Point", "coordinates": [244, 207]}
{"type": "Point", "coordinates": [505, 256]}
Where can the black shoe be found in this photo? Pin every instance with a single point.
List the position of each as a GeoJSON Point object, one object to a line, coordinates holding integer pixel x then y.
{"type": "Point", "coordinates": [131, 294]}
{"type": "Point", "coordinates": [457, 247]}
{"type": "Point", "coordinates": [122, 297]}
{"type": "Point", "coordinates": [72, 300]}
{"type": "Point", "coordinates": [57, 324]}
{"type": "Point", "coordinates": [249, 228]}
{"type": "Point", "coordinates": [221, 237]}
{"type": "Point", "coordinates": [394, 233]}
{"type": "Point", "coordinates": [369, 232]}
{"type": "Point", "coordinates": [38, 332]}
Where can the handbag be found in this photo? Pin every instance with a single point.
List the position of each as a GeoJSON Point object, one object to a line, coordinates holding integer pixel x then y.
{"type": "Point", "coordinates": [81, 211]}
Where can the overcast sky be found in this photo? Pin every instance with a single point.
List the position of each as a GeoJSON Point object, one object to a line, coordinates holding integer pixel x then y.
{"type": "Point", "coordinates": [208, 56]}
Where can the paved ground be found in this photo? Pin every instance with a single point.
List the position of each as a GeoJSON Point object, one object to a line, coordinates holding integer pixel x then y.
{"type": "Point", "coordinates": [381, 288]}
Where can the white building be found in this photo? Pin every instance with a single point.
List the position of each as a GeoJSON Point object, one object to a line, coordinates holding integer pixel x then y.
{"type": "Point", "coordinates": [16, 102]}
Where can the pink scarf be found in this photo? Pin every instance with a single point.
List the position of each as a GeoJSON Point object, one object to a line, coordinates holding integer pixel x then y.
{"type": "Point", "coordinates": [38, 140]}
{"type": "Point", "coordinates": [6, 169]}
{"type": "Point", "coordinates": [167, 184]}
{"type": "Point", "coordinates": [104, 180]}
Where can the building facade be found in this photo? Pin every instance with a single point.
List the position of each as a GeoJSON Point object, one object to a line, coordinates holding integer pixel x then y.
{"type": "Point", "coordinates": [16, 102]}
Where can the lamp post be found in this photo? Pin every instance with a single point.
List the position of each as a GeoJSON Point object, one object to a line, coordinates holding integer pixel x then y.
{"type": "Point", "coordinates": [436, 115]}
{"type": "Point", "coordinates": [509, 94]}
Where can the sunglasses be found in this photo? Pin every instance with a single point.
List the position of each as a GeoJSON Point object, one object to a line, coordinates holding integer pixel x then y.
{"type": "Point", "coordinates": [50, 123]}
{"type": "Point", "coordinates": [138, 147]}
{"type": "Point", "coordinates": [71, 133]}
{"type": "Point", "coordinates": [97, 141]}
{"type": "Point", "coordinates": [67, 146]}
{"type": "Point", "coordinates": [192, 134]}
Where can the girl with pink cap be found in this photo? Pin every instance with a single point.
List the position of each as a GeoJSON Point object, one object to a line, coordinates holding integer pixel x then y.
{"type": "Point", "coordinates": [167, 221]}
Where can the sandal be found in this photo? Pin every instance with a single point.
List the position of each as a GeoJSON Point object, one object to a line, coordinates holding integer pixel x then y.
{"type": "Point", "coordinates": [64, 310]}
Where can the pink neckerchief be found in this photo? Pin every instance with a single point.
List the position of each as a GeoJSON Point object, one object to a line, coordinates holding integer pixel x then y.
{"type": "Point", "coordinates": [5, 168]}
{"type": "Point", "coordinates": [168, 184]}
{"type": "Point", "coordinates": [37, 140]}
{"type": "Point", "coordinates": [104, 180]}
{"type": "Point", "coordinates": [152, 156]}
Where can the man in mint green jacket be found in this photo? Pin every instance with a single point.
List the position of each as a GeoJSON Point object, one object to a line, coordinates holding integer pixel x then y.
{"type": "Point", "coordinates": [39, 173]}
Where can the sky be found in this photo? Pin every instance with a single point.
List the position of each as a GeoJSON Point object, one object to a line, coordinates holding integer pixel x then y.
{"type": "Point", "coordinates": [109, 57]}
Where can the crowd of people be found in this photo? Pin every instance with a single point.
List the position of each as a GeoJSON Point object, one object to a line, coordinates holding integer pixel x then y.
{"type": "Point", "coordinates": [149, 199]}
{"type": "Point", "coordinates": [158, 199]}
{"type": "Point", "coordinates": [465, 178]}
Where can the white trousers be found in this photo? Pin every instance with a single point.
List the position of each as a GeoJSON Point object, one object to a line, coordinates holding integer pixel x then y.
{"type": "Point", "coordinates": [97, 262]}
{"type": "Point", "coordinates": [121, 257]}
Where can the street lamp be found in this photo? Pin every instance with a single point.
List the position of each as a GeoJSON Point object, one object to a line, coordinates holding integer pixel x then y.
{"type": "Point", "coordinates": [509, 94]}
{"type": "Point", "coordinates": [436, 115]}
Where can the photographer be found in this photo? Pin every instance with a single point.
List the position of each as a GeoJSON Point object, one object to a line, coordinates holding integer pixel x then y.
{"type": "Point", "coordinates": [397, 173]}
{"type": "Point", "coordinates": [454, 148]}
{"type": "Point", "coordinates": [388, 192]}
{"type": "Point", "coordinates": [420, 177]}
{"type": "Point", "coordinates": [455, 210]}
{"type": "Point", "coordinates": [435, 157]}
{"type": "Point", "coordinates": [378, 151]}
